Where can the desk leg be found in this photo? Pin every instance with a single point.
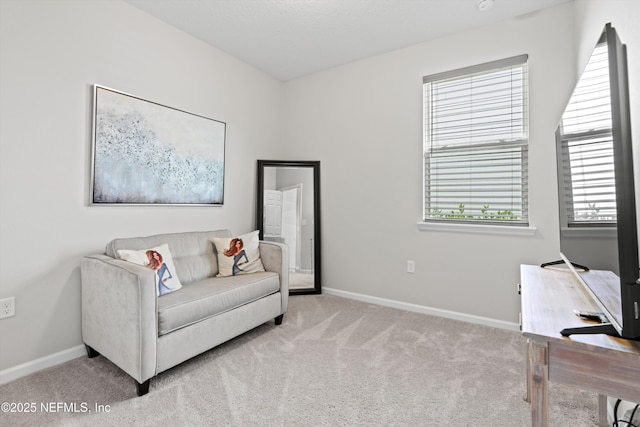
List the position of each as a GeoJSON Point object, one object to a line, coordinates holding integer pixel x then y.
{"type": "Point", "coordinates": [538, 383]}
{"type": "Point", "coordinates": [602, 410]}
{"type": "Point", "coordinates": [528, 396]}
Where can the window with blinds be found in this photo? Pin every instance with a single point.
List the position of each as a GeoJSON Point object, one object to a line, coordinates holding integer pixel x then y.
{"type": "Point", "coordinates": [586, 148]}
{"type": "Point", "coordinates": [475, 144]}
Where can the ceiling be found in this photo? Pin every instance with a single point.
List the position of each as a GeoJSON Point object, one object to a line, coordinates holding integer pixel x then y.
{"type": "Point", "coordinates": [293, 38]}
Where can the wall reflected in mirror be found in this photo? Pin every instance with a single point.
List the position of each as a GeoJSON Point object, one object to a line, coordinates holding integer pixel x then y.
{"type": "Point", "coordinates": [288, 212]}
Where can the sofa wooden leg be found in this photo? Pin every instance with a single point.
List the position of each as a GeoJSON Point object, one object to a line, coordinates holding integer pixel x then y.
{"type": "Point", "coordinates": [143, 388]}
{"type": "Point", "coordinates": [279, 319]}
{"type": "Point", "coordinates": [91, 352]}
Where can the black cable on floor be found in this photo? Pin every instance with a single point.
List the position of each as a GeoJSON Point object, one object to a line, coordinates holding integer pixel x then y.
{"type": "Point", "coordinates": [615, 416]}
{"type": "Point", "coordinates": [631, 417]}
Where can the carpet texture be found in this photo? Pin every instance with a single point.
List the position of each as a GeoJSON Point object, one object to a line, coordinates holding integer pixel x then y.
{"type": "Point", "coordinates": [333, 362]}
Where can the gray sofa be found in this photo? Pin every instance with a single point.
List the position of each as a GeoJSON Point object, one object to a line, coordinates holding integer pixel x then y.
{"type": "Point", "coordinates": [124, 320]}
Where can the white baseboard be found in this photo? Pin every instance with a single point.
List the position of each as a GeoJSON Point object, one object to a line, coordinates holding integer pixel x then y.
{"type": "Point", "coordinates": [10, 374]}
{"type": "Point", "coordinates": [425, 310]}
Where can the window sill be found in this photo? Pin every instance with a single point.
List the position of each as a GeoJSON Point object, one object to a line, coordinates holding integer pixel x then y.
{"type": "Point", "coordinates": [589, 232]}
{"type": "Point", "coordinates": [477, 228]}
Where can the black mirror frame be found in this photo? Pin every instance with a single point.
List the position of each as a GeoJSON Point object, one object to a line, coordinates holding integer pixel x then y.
{"type": "Point", "coordinates": [315, 166]}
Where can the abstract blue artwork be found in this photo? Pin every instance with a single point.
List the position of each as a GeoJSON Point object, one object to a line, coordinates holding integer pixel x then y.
{"type": "Point", "coordinates": [148, 153]}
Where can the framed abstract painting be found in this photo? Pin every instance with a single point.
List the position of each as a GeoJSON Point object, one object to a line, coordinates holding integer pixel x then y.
{"type": "Point", "coordinates": [145, 153]}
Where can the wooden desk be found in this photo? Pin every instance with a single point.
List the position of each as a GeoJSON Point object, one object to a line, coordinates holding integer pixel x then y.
{"type": "Point", "coordinates": [605, 365]}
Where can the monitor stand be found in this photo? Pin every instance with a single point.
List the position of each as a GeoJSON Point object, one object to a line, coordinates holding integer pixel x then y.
{"type": "Point", "coordinates": [602, 328]}
{"type": "Point", "coordinates": [559, 262]}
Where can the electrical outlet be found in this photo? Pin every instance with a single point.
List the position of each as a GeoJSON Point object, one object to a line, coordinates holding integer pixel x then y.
{"type": "Point", "coordinates": [7, 307]}
{"type": "Point", "coordinates": [411, 266]}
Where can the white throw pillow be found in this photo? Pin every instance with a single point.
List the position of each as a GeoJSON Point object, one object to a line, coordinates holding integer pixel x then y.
{"type": "Point", "coordinates": [160, 260]}
{"type": "Point", "coordinates": [238, 255]}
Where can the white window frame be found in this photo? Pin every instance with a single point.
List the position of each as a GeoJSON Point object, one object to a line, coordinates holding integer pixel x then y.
{"type": "Point", "coordinates": [480, 142]}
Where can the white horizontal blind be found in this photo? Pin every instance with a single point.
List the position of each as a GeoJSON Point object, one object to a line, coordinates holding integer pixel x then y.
{"type": "Point", "coordinates": [475, 145]}
{"type": "Point", "coordinates": [587, 147]}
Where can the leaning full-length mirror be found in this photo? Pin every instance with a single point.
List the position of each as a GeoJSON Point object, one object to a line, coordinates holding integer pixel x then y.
{"type": "Point", "coordinates": [288, 211]}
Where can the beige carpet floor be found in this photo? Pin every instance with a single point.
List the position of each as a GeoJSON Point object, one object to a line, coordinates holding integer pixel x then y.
{"type": "Point", "coordinates": [333, 362]}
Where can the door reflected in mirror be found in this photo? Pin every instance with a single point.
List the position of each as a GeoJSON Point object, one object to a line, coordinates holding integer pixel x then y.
{"type": "Point", "coordinates": [288, 212]}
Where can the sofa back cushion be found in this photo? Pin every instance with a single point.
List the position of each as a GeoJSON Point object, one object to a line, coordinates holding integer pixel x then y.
{"type": "Point", "coordinates": [193, 253]}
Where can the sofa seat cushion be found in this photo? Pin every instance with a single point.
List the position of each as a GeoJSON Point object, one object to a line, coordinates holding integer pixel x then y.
{"type": "Point", "coordinates": [209, 297]}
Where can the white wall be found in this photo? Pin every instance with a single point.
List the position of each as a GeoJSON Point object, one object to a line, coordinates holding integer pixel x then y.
{"type": "Point", "coordinates": [51, 53]}
{"type": "Point", "coordinates": [364, 122]}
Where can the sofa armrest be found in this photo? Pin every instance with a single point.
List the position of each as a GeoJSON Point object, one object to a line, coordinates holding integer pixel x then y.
{"type": "Point", "coordinates": [275, 258]}
{"type": "Point", "coordinates": [119, 313]}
